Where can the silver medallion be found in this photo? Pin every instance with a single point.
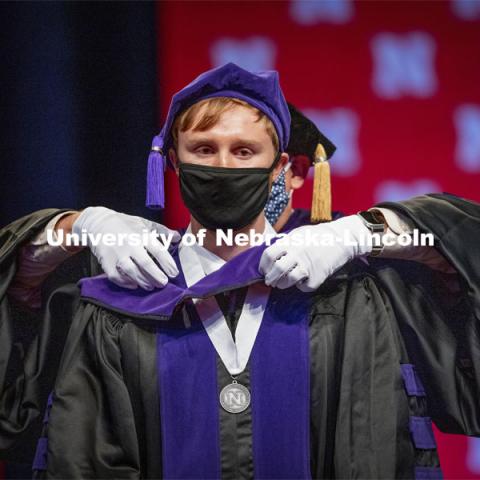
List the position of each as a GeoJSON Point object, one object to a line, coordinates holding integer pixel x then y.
{"type": "Point", "coordinates": [235, 398]}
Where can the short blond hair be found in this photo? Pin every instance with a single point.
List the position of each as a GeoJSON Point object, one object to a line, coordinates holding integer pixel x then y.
{"type": "Point", "coordinates": [206, 113]}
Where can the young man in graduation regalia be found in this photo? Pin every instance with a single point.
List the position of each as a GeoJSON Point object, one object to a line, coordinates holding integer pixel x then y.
{"type": "Point", "coordinates": [263, 362]}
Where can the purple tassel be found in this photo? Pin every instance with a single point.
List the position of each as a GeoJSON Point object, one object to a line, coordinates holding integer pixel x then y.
{"type": "Point", "coordinates": [155, 176]}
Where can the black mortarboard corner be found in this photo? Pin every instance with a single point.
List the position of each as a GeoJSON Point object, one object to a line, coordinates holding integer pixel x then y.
{"type": "Point", "coordinates": [306, 139]}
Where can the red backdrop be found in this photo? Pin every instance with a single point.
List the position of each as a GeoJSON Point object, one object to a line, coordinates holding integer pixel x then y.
{"type": "Point", "coordinates": [394, 84]}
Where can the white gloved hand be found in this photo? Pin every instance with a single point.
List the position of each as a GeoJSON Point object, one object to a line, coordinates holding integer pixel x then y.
{"type": "Point", "coordinates": [308, 265]}
{"type": "Point", "coordinates": [128, 265]}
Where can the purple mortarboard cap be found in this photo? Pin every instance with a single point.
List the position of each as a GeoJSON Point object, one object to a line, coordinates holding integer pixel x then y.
{"type": "Point", "coordinates": [259, 89]}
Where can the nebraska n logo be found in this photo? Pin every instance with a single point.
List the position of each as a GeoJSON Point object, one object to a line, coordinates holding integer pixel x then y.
{"type": "Point", "coordinates": [403, 65]}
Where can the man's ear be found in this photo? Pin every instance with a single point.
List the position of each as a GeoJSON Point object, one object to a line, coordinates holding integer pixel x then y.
{"type": "Point", "coordinates": [280, 165]}
{"type": "Point", "coordinates": [296, 182]}
{"type": "Point", "coordinates": [172, 155]}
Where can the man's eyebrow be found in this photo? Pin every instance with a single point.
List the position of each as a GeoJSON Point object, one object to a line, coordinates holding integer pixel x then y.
{"type": "Point", "coordinates": [237, 142]}
{"type": "Point", "coordinates": [197, 140]}
{"type": "Point", "coordinates": [248, 143]}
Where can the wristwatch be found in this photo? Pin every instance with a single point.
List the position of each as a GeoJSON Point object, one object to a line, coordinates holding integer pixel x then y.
{"type": "Point", "coordinates": [377, 225]}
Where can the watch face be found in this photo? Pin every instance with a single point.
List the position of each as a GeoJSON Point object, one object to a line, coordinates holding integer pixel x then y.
{"type": "Point", "coordinates": [369, 217]}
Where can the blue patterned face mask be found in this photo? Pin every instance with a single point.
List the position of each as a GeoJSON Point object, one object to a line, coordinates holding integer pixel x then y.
{"type": "Point", "coordinates": [278, 199]}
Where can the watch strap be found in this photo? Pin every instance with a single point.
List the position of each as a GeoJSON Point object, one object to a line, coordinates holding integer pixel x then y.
{"type": "Point", "coordinates": [376, 226]}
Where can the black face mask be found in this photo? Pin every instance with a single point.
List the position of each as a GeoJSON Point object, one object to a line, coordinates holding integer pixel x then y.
{"type": "Point", "coordinates": [222, 198]}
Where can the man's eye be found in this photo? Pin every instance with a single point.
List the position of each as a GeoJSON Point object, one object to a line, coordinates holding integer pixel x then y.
{"type": "Point", "coordinates": [244, 152]}
{"type": "Point", "coordinates": [204, 150]}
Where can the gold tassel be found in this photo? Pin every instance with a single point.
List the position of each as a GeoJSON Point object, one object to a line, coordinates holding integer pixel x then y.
{"type": "Point", "coordinates": [322, 193]}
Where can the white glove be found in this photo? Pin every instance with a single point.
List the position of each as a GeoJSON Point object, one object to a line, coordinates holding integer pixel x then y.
{"type": "Point", "coordinates": [308, 265]}
{"type": "Point", "coordinates": [128, 265]}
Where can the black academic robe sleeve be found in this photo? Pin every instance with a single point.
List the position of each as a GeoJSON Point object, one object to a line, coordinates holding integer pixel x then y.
{"type": "Point", "coordinates": [439, 314]}
{"type": "Point", "coordinates": [105, 419]}
{"type": "Point", "coordinates": [94, 434]}
{"type": "Point", "coordinates": [31, 343]}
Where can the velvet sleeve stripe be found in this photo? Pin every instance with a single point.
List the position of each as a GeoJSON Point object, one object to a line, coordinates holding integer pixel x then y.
{"type": "Point", "coordinates": [40, 460]}
{"type": "Point", "coordinates": [413, 384]}
{"type": "Point", "coordinates": [428, 473]}
{"type": "Point", "coordinates": [422, 432]}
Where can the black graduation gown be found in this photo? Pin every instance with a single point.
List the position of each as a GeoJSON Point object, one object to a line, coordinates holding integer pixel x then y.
{"type": "Point", "coordinates": [390, 346]}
